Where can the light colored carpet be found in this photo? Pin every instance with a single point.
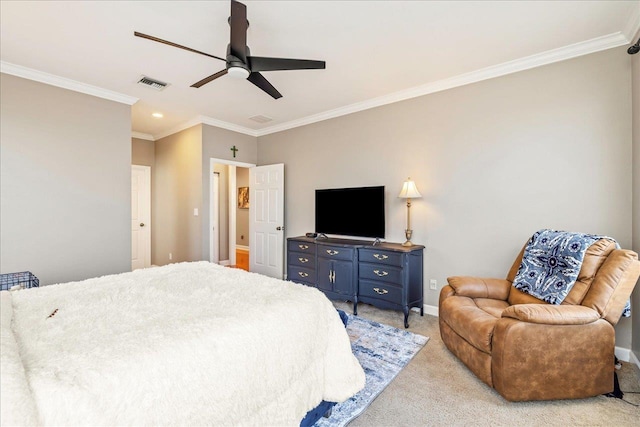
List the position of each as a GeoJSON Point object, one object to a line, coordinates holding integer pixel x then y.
{"type": "Point", "coordinates": [435, 389]}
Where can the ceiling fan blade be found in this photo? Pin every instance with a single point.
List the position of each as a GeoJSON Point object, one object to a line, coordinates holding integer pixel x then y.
{"type": "Point", "coordinates": [210, 78]}
{"type": "Point", "coordinates": [239, 24]}
{"type": "Point", "coordinates": [258, 80]}
{"type": "Point", "coordinates": [258, 63]}
{"type": "Point", "coordinates": [156, 39]}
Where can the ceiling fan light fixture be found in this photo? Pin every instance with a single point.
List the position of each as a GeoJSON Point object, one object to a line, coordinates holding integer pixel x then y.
{"type": "Point", "coordinates": [238, 72]}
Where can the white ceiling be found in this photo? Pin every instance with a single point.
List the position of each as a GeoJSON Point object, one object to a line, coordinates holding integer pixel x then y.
{"type": "Point", "coordinates": [376, 52]}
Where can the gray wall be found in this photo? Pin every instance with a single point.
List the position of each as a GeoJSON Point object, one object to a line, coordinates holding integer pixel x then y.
{"type": "Point", "coordinates": [216, 143]}
{"type": "Point", "coordinates": [636, 195]}
{"type": "Point", "coordinates": [177, 191]}
{"type": "Point", "coordinates": [242, 215]}
{"type": "Point", "coordinates": [65, 182]}
{"type": "Point", "coordinates": [495, 161]}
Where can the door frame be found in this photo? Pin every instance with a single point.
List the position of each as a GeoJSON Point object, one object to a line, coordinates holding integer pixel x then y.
{"type": "Point", "coordinates": [233, 200]}
{"type": "Point", "coordinates": [214, 197]}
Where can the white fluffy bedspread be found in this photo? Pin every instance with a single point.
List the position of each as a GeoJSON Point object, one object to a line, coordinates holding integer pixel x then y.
{"type": "Point", "coordinates": [184, 344]}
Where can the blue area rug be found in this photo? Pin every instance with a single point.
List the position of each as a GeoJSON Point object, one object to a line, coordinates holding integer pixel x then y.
{"type": "Point", "coordinates": [382, 351]}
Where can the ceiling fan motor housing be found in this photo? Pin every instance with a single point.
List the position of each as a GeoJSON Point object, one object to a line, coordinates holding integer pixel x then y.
{"type": "Point", "coordinates": [235, 64]}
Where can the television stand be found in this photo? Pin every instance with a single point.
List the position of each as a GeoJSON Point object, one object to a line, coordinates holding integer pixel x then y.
{"type": "Point", "coordinates": [386, 275]}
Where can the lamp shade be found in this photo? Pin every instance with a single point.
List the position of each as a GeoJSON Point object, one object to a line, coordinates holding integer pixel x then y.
{"type": "Point", "coordinates": [409, 190]}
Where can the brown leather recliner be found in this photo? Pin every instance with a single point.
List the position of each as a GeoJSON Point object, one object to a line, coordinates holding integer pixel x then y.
{"type": "Point", "coordinates": [528, 349]}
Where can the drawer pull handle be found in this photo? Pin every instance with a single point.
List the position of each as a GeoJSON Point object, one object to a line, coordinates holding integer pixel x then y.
{"type": "Point", "coordinates": [303, 274]}
{"type": "Point", "coordinates": [381, 291]}
{"type": "Point", "coordinates": [332, 252]}
{"type": "Point", "coordinates": [380, 273]}
{"type": "Point", "coordinates": [380, 257]}
{"type": "Point", "coordinates": [303, 260]}
{"type": "Point", "coordinates": [303, 247]}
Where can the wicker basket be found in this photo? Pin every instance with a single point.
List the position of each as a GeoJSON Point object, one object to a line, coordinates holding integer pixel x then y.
{"type": "Point", "coordinates": [24, 279]}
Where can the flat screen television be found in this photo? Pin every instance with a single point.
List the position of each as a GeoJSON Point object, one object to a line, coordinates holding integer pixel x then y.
{"type": "Point", "coordinates": [357, 212]}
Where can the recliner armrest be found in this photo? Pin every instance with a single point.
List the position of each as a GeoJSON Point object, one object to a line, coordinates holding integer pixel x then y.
{"type": "Point", "coordinates": [476, 287]}
{"type": "Point", "coordinates": [549, 314]}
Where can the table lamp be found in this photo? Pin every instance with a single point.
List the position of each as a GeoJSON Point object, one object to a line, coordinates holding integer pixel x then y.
{"type": "Point", "coordinates": [409, 191]}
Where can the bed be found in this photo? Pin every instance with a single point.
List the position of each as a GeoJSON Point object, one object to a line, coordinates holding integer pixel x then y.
{"type": "Point", "coordinates": [183, 344]}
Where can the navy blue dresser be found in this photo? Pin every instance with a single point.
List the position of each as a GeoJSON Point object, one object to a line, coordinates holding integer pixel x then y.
{"type": "Point", "coordinates": [386, 275]}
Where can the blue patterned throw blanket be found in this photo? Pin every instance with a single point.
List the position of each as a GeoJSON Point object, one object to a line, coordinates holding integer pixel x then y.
{"type": "Point", "coordinates": [551, 263]}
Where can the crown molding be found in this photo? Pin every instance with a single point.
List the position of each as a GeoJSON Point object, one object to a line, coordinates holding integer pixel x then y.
{"type": "Point", "coordinates": [228, 126]}
{"type": "Point", "coordinates": [633, 23]}
{"type": "Point", "coordinates": [193, 122]}
{"type": "Point", "coordinates": [53, 80]}
{"type": "Point", "coordinates": [627, 35]}
{"type": "Point", "coordinates": [204, 120]}
{"type": "Point", "coordinates": [556, 55]}
{"type": "Point", "coordinates": [141, 135]}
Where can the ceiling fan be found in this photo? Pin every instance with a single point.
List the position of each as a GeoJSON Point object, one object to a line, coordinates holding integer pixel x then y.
{"type": "Point", "coordinates": [240, 63]}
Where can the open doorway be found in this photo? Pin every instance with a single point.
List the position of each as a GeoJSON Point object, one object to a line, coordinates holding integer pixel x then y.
{"type": "Point", "coordinates": [229, 213]}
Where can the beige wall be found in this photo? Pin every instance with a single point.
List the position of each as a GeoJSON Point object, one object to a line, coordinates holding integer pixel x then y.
{"type": "Point", "coordinates": [635, 59]}
{"type": "Point", "coordinates": [177, 191]}
{"type": "Point", "coordinates": [65, 182]}
{"type": "Point", "coordinates": [143, 152]}
{"type": "Point", "coordinates": [495, 161]}
{"type": "Point", "coordinates": [242, 215]}
{"type": "Point", "coordinates": [181, 183]}
{"type": "Point", "coordinates": [216, 144]}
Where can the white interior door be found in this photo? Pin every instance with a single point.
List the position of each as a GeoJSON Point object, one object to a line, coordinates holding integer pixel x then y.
{"type": "Point", "coordinates": [140, 217]}
{"type": "Point", "coordinates": [266, 220]}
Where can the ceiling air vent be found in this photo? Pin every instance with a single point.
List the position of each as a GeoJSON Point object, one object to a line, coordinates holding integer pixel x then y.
{"type": "Point", "coordinates": [261, 119]}
{"type": "Point", "coordinates": [152, 83]}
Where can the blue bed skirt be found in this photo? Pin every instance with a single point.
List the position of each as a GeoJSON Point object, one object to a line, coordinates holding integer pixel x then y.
{"type": "Point", "coordinates": [316, 413]}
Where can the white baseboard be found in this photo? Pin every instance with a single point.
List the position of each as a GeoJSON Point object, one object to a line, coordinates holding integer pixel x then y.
{"type": "Point", "coordinates": [431, 310]}
{"type": "Point", "coordinates": [225, 262]}
{"type": "Point", "coordinates": [624, 354]}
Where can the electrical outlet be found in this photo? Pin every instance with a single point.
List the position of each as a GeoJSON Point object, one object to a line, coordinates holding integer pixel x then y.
{"type": "Point", "coordinates": [433, 284]}
{"type": "Point", "coordinates": [170, 256]}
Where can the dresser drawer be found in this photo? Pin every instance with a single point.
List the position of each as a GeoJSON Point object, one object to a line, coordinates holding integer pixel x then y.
{"type": "Point", "coordinates": [336, 252]}
{"type": "Point", "coordinates": [381, 272]}
{"type": "Point", "coordinates": [381, 291]}
{"type": "Point", "coordinates": [301, 260]}
{"type": "Point", "coordinates": [301, 275]}
{"type": "Point", "coordinates": [380, 257]}
{"type": "Point", "coordinates": [299, 246]}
